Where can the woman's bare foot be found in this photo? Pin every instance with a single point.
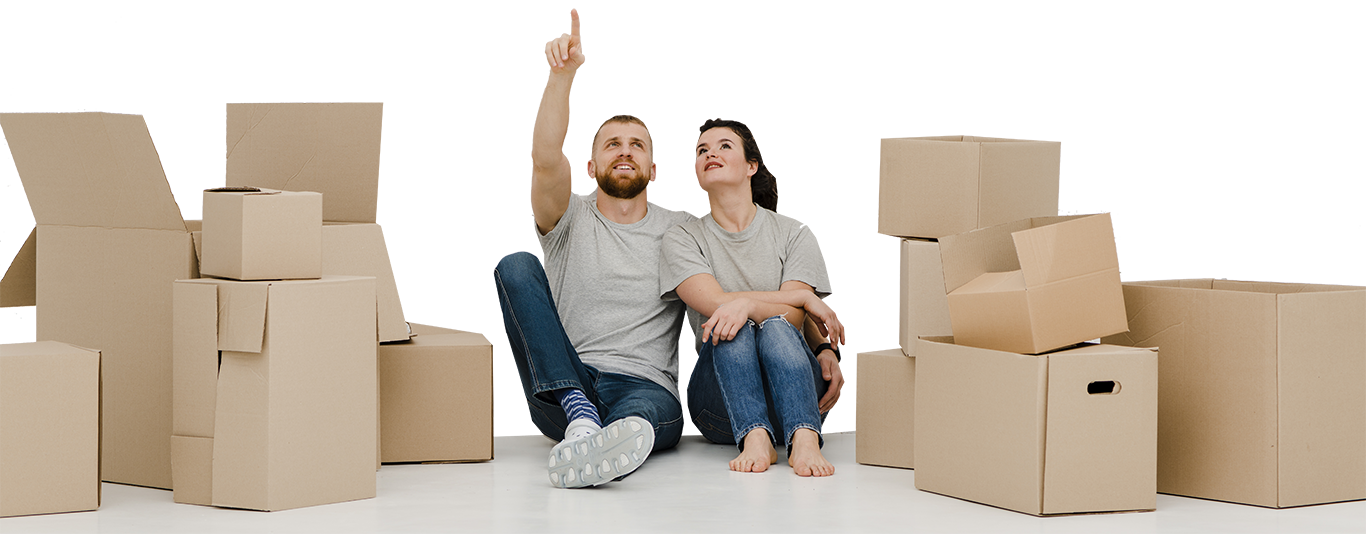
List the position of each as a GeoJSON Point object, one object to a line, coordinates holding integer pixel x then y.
{"type": "Point", "coordinates": [758, 453]}
{"type": "Point", "coordinates": [805, 455]}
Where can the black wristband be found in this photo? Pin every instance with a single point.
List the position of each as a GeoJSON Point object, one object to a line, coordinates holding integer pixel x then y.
{"type": "Point", "coordinates": [821, 348]}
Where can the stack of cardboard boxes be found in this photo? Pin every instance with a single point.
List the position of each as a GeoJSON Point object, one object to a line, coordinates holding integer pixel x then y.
{"type": "Point", "coordinates": [1009, 407]}
{"type": "Point", "coordinates": [296, 286]}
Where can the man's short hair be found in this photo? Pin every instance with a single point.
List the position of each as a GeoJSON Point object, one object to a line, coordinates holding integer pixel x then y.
{"type": "Point", "coordinates": [622, 119]}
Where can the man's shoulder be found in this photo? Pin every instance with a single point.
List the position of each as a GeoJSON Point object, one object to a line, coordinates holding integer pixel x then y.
{"type": "Point", "coordinates": [670, 217]}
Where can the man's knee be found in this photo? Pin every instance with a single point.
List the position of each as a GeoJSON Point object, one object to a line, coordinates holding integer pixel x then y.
{"type": "Point", "coordinates": [518, 266]}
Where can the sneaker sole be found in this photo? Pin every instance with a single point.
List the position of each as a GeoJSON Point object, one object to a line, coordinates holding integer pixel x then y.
{"type": "Point", "coordinates": [616, 451]}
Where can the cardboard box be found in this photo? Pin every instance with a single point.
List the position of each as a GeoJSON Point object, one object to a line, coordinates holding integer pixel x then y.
{"type": "Point", "coordinates": [886, 409]}
{"type": "Point", "coordinates": [1068, 432]}
{"type": "Point", "coordinates": [262, 234]}
{"type": "Point", "coordinates": [368, 160]}
{"type": "Point", "coordinates": [436, 397]}
{"type": "Point", "coordinates": [49, 429]}
{"type": "Point", "coordinates": [281, 378]}
{"type": "Point", "coordinates": [112, 242]}
{"type": "Point", "coordinates": [1034, 285]}
{"type": "Point", "coordinates": [924, 302]}
{"type": "Point", "coordinates": [932, 187]}
{"type": "Point", "coordinates": [359, 250]}
{"type": "Point", "coordinates": [1262, 398]}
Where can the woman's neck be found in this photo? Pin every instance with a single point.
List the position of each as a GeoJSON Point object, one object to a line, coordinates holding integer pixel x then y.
{"type": "Point", "coordinates": [734, 209]}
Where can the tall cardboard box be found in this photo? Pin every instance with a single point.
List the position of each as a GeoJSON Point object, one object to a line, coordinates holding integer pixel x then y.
{"type": "Point", "coordinates": [1034, 285]}
{"type": "Point", "coordinates": [110, 241]}
{"type": "Point", "coordinates": [275, 392]}
{"type": "Point", "coordinates": [886, 409]}
{"type": "Point", "coordinates": [436, 397]}
{"type": "Point", "coordinates": [49, 428]}
{"type": "Point", "coordinates": [1068, 432]}
{"type": "Point", "coordinates": [931, 187]}
{"type": "Point", "coordinates": [924, 301]}
{"type": "Point", "coordinates": [262, 234]}
{"type": "Point", "coordinates": [333, 149]}
{"type": "Point", "coordinates": [1263, 388]}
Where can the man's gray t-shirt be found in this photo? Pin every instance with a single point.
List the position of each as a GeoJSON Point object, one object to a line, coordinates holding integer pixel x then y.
{"type": "Point", "coordinates": [773, 249]}
{"type": "Point", "coordinates": [604, 276]}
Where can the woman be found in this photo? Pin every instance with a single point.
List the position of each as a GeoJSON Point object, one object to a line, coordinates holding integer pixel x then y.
{"type": "Point", "coordinates": [756, 276]}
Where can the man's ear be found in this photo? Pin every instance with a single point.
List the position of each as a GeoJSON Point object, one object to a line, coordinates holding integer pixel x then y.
{"type": "Point", "coordinates": [652, 172]}
{"type": "Point", "coordinates": [591, 174]}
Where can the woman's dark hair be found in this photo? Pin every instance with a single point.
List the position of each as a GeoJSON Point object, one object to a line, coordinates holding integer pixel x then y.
{"type": "Point", "coordinates": [763, 186]}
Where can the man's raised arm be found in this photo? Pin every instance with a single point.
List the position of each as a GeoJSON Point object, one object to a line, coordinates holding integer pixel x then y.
{"type": "Point", "coordinates": [550, 174]}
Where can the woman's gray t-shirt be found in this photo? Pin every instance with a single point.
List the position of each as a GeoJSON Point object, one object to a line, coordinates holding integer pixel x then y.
{"type": "Point", "coordinates": [773, 249]}
{"type": "Point", "coordinates": [603, 276]}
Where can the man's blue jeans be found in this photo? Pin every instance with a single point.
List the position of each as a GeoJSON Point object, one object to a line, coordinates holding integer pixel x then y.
{"type": "Point", "coordinates": [765, 375]}
{"type": "Point", "coordinates": [547, 361]}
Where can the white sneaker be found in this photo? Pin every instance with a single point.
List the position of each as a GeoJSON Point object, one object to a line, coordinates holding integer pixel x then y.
{"type": "Point", "coordinates": [592, 456]}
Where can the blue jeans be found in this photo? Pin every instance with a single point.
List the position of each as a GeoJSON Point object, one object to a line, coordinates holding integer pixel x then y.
{"type": "Point", "coordinates": [765, 375]}
{"type": "Point", "coordinates": [547, 361]}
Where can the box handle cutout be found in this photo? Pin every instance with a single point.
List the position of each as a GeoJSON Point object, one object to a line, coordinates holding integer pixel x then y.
{"type": "Point", "coordinates": [1103, 387]}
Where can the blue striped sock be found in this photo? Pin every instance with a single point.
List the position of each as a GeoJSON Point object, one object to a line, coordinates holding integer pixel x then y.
{"type": "Point", "coordinates": [576, 405]}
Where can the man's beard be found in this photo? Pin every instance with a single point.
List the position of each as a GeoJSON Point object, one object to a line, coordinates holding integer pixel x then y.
{"type": "Point", "coordinates": [624, 190]}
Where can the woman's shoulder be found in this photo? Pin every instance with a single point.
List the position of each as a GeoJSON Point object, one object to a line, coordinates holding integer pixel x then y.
{"type": "Point", "coordinates": [782, 223]}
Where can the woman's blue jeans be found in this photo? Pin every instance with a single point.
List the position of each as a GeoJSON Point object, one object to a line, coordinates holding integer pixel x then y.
{"type": "Point", "coordinates": [547, 361]}
{"type": "Point", "coordinates": [765, 375]}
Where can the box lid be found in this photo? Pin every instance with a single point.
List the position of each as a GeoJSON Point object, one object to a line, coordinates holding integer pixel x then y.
{"type": "Point", "coordinates": [1067, 249]}
{"type": "Point", "coordinates": [91, 169]}
{"type": "Point", "coordinates": [331, 148]}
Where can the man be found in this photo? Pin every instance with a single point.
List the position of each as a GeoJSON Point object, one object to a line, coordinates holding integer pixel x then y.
{"type": "Point", "coordinates": [596, 349]}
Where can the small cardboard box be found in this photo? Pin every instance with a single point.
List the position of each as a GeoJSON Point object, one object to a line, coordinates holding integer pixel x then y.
{"type": "Point", "coordinates": [276, 391]}
{"type": "Point", "coordinates": [924, 302]}
{"type": "Point", "coordinates": [1262, 388]}
{"type": "Point", "coordinates": [436, 397]}
{"type": "Point", "coordinates": [112, 242]}
{"type": "Point", "coordinates": [49, 429]}
{"type": "Point", "coordinates": [931, 187]}
{"type": "Point", "coordinates": [1034, 285]}
{"type": "Point", "coordinates": [886, 409]}
{"type": "Point", "coordinates": [1068, 432]}
{"type": "Point", "coordinates": [262, 234]}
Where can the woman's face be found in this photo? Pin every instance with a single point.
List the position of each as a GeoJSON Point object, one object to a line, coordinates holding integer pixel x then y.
{"type": "Point", "coordinates": [721, 159]}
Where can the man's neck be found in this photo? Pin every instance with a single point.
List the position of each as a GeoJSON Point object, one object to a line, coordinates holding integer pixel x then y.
{"type": "Point", "coordinates": [622, 210]}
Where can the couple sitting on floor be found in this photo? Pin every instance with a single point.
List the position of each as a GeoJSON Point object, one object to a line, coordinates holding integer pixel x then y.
{"type": "Point", "coordinates": [595, 331]}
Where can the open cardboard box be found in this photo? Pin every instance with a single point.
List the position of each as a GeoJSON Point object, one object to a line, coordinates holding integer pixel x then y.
{"type": "Point", "coordinates": [49, 428]}
{"type": "Point", "coordinates": [275, 392]}
{"type": "Point", "coordinates": [886, 409]}
{"type": "Point", "coordinates": [436, 397]}
{"type": "Point", "coordinates": [1073, 431]}
{"type": "Point", "coordinates": [930, 187]}
{"type": "Point", "coordinates": [1262, 388]}
{"type": "Point", "coordinates": [1034, 285]}
{"type": "Point", "coordinates": [109, 242]}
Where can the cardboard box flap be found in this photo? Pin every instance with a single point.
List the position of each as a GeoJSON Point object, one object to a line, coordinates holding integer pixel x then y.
{"type": "Point", "coordinates": [1066, 249]}
{"type": "Point", "coordinates": [330, 148]}
{"type": "Point", "coordinates": [91, 169]}
{"type": "Point", "coordinates": [242, 316]}
{"type": "Point", "coordinates": [20, 285]}
{"type": "Point", "coordinates": [969, 255]}
{"type": "Point", "coordinates": [244, 190]}
{"type": "Point", "coordinates": [447, 309]}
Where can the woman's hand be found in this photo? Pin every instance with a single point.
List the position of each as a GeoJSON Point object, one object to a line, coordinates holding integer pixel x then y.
{"type": "Point", "coordinates": [830, 371]}
{"type": "Point", "coordinates": [727, 320]}
{"type": "Point", "coordinates": [565, 54]}
{"type": "Point", "coordinates": [825, 320]}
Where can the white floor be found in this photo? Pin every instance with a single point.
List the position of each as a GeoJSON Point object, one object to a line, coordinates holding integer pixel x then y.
{"type": "Point", "coordinates": [687, 489]}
